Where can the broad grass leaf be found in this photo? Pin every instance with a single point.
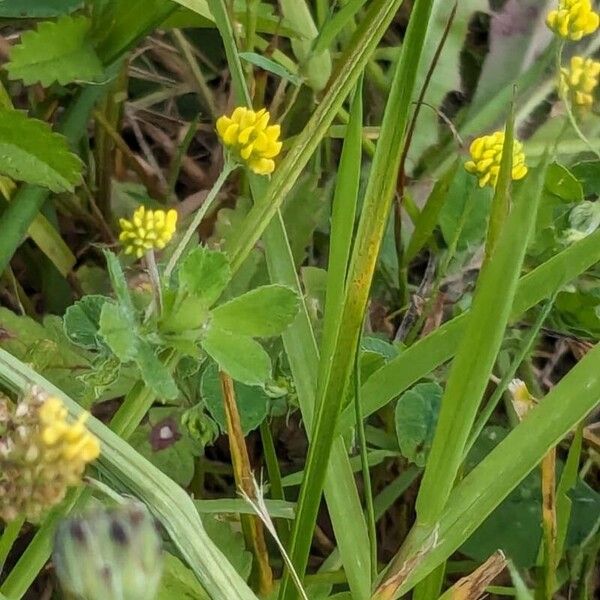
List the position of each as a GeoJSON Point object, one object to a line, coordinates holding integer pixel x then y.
{"type": "Point", "coordinates": [204, 274]}
{"type": "Point", "coordinates": [37, 9]}
{"type": "Point", "coordinates": [252, 402]}
{"type": "Point", "coordinates": [262, 312]}
{"type": "Point", "coordinates": [57, 52]}
{"type": "Point", "coordinates": [82, 321]}
{"type": "Point", "coordinates": [238, 355]}
{"type": "Point", "coordinates": [416, 415]}
{"type": "Point", "coordinates": [30, 151]}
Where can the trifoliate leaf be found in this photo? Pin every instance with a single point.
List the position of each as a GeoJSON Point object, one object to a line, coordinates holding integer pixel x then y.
{"type": "Point", "coordinates": [262, 312]}
{"type": "Point", "coordinates": [204, 274]}
{"type": "Point", "coordinates": [82, 321]}
{"type": "Point", "coordinates": [118, 331]}
{"type": "Point", "coordinates": [37, 9]}
{"type": "Point", "coordinates": [416, 416]}
{"type": "Point", "coordinates": [239, 356]}
{"type": "Point", "coordinates": [31, 152]}
{"type": "Point", "coordinates": [59, 51]}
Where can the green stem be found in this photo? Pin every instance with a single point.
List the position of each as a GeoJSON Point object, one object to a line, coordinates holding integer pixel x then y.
{"type": "Point", "coordinates": [150, 259]}
{"type": "Point", "coordinates": [563, 93]}
{"type": "Point", "coordinates": [362, 444]}
{"type": "Point", "coordinates": [228, 167]}
{"type": "Point", "coordinates": [9, 537]}
{"type": "Point", "coordinates": [277, 491]}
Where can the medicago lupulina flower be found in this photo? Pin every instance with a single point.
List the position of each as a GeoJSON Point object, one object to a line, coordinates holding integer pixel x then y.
{"type": "Point", "coordinates": [579, 79]}
{"type": "Point", "coordinates": [147, 230]}
{"type": "Point", "coordinates": [250, 138]}
{"type": "Point", "coordinates": [486, 156]}
{"type": "Point", "coordinates": [573, 19]}
{"type": "Point", "coordinates": [42, 454]}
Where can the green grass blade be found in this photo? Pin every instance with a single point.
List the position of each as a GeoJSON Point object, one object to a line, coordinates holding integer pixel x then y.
{"type": "Point", "coordinates": [490, 482]}
{"type": "Point", "coordinates": [167, 500]}
{"type": "Point", "coordinates": [299, 342]}
{"type": "Point", "coordinates": [341, 495]}
{"type": "Point", "coordinates": [378, 198]}
{"type": "Point", "coordinates": [345, 199]}
{"type": "Point", "coordinates": [477, 351]}
{"type": "Point", "coordinates": [352, 63]}
{"type": "Point", "coordinates": [438, 347]}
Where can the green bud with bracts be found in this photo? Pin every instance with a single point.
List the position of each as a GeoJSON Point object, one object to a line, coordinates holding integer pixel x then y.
{"type": "Point", "coordinates": [114, 553]}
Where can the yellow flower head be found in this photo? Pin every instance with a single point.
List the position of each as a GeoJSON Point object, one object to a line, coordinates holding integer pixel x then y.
{"type": "Point", "coordinates": [41, 455]}
{"type": "Point", "coordinates": [486, 156]}
{"type": "Point", "coordinates": [579, 80]}
{"type": "Point", "coordinates": [251, 139]}
{"type": "Point", "coordinates": [573, 19]}
{"type": "Point", "coordinates": [147, 229]}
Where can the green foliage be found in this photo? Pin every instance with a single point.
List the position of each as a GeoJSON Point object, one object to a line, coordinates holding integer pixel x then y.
{"type": "Point", "coordinates": [179, 582]}
{"type": "Point", "coordinates": [58, 51]}
{"type": "Point", "coordinates": [252, 401]}
{"type": "Point", "coordinates": [204, 274]}
{"type": "Point", "coordinates": [238, 355]}
{"type": "Point", "coordinates": [167, 445]}
{"type": "Point", "coordinates": [31, 152]}
{"type": "Point", "coordinates": [82, 321]}
{"type": "Point", "coordinates": [263, 312]}
{"type": "Point", "coordinates": [36, 9]}
{"type": "Point", "coordinates": [271, 66]}
{"type": "Point", "coordinates": [416, 416]}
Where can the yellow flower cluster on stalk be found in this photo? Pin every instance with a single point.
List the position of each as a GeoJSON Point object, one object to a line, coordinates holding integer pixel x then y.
{"type": "Point", "coordinates": [147, 230]}
{"type": "Point", "coordinates": [486, 157]}
{"type": "Point", "coordinates": [250, 138]}
{"type": "Point", "coordinates": [580, 79]}
{"type": "Point", "coordinates": [573, 19]}
{"type": "Point", "coordinates": [42, 454]}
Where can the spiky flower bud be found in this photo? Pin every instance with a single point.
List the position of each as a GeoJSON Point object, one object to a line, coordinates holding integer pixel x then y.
{"type": "Point", "coordinates": [115, 553]}
{"type": "Point", "coordinates": [147, 230]}
{"type": "Point", "coordinates": [251, 139]}
{"type": "Point", "coordinates": [42, 454]}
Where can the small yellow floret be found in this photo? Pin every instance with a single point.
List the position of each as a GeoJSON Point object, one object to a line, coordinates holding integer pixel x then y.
{"type": "Point", "coordinates": [74, 442]}
{"type": "Point", "coordinates": [250, 137]}
{"type": "Point", "coordinates": [147, 229]}
{"type": "Point", "coordinates": [573, 19]}
{"type": "Point", "coordinates": [579, 80]}
{"type": "Point", "coordinates": [486, 156]}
